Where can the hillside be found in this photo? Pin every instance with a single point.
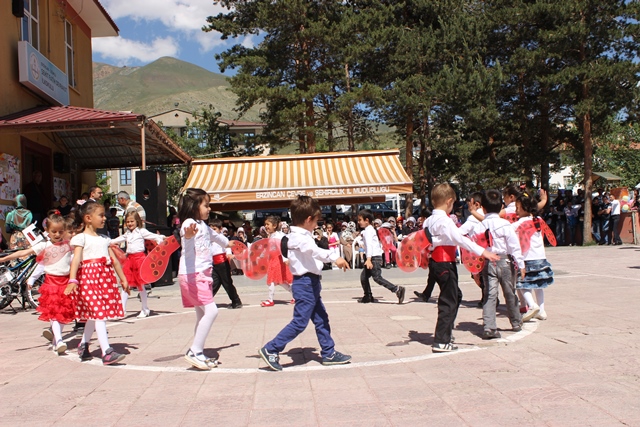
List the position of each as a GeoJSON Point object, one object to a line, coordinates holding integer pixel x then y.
{"type": "Point", "coordinates": [158, 86]}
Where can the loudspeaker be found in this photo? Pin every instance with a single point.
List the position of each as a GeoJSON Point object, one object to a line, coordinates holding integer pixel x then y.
{"type": "Point", "coordinates": [17, 8]}
{"type": "Point", "coordinates": [151, 193]}
{"type": "Point", "coordinates": [61, 163]}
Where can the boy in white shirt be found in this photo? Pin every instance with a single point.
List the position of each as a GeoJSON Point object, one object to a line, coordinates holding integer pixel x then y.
{"type": "Point", "coordinates": [373, 264]}
{"type": "Point", "coordinates": [503, 242]}
{"type": "Point", "coordinates": [305, 262]}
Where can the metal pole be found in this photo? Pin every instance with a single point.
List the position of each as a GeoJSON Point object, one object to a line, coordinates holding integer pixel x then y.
{"type": "Point", "coordinates": [144, 155]}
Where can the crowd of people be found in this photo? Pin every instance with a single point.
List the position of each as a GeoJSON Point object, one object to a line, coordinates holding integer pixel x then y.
{"type": "Point", "coordinates": [82, 279]}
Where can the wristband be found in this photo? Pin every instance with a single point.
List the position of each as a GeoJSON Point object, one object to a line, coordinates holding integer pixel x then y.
{"type": "Point", "coordinates": [72, 281]}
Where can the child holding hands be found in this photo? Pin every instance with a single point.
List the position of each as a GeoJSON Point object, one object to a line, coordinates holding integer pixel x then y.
{"type": "Point", "coordinates": [92, 281]}
{"type": "Point", "coordinates": [444, 237]}
{"type": "Point", "coordinates": [135, 237]}
{"type": "Point", "coordinates": [54, 257]}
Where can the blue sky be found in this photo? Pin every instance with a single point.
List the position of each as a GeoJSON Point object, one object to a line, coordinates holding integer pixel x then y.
{"type": "Point", "coordinates": [150, 29]}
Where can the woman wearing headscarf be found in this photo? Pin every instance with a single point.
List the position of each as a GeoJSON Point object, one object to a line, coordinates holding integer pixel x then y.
{"type": "Point", "coordinates": [16, 221]}
{"type": "Point", "coordinates": [347, 237]}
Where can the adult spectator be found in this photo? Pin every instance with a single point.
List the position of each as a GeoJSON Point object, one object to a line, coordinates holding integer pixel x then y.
{"type": "Point", "coordinates": [16, 221]}
{"type": "Point", "coordinates": [409, 226]}
{"type": "Point", "coordinates": [347, 237]}
{"type": "Point", "coordinates": [322, 242]}
{"type": "Point", "coordinates": [129, 205]}
{"type": "Point", "coordinates": [63, 206]}
{"type": "Point", "coordinates": [596, 221]}
{"type": "Point", "coordinates": [34, 192]}
{"type": "Point", "coordinates": [95, 193]}
{"type": "Point", "coordinates": [604, 210]}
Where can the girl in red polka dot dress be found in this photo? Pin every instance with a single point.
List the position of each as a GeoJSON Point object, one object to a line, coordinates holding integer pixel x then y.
{"type": "Point", "coordinates": [93, 282]}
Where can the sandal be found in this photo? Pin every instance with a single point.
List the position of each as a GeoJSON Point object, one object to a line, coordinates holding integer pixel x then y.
{"type": "Point", "coordinates": [267, 304]}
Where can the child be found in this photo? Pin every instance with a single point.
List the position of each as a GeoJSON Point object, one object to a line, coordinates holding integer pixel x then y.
{"type": "Point", "coordinates": [278, 273]}
{"type": "Point", "coordinates": [305, 261]}
{"type": "Point", "coordinates": [194, 273]}
{"type": "Point", "coordinates": [333, 239]}
{"type": "Point", "coordinates": [55, 306]}
{"type": "Point", "coordinates": [373, 263]}
{"type": "Point", "coordinates": [93, 282]}
{"type": "Point", "coordinates": [538, 270]}
{"type": "Point", "coordinates": [444, 237]}
{"type": "Point", "coordinates": [221, 272]}
{"type": "Point", "coordinates": [504, 243]}
{"type": "Point", "coordinates": [113, 223]}
{"type": "Point", "coordinates": [135, 237]}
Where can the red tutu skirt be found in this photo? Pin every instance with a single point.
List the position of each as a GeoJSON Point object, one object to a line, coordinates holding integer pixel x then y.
{"type": "Point", "coordinates": [53, 303]}
{"type": "Point", "coordinates": [131, 269]}
{"type": "Point", "coordinates": [98, 295]}
{"type": "Point", "coordinates": [279, 272]}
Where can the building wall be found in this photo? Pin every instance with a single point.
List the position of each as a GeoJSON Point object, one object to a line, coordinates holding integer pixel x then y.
{"type": "Point", "coordinates": [16, 97]}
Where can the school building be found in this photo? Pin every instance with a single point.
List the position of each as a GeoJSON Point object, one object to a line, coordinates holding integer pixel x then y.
{"type": "Point", "coordinates": [47, 120]}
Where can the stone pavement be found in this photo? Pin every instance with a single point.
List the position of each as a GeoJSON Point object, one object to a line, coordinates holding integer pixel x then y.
{"type": "Point", "coordinates": [580, 367]}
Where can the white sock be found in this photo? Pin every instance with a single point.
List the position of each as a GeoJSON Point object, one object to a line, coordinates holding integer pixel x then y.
{"type": "Point", "coordinates": [540, 298]}
{"type": "Point", "coordinates": [528, 297]}
{"type": "Point", "coordinates": [272, 291]}
{"type": "Point", "coordinates": [143, 299]}
{"type": "Point", "coordinates": [56, 328]}
{"type": "Point", "coordinates": [125, 297]}
{"type": "Point", "coordinates": [101, 331]}
{"type": "Point", "coordinates": [89, 328]}
{"type": "Point", "coordinates": [205, 315]}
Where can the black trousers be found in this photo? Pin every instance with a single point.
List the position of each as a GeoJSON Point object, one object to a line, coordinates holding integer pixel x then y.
{"type": "Point", "coordinates": [376, 274]}
{"type": "Point", "coordinates": [445, 274]}
{"type": "Point", "coordinates": [221, 275]}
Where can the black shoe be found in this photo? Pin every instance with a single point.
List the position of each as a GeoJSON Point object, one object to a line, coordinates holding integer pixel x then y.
{"type": "Point", "coordinates": [421, 296]}
{"type": "Point", "coordinates": [236, 304]}
{"type": "Point", "coordinates": [490, 334]}
{"type": "Point", "coordinates": [366, 299]}
{"type": "Point", "coordinates": [400, 294]}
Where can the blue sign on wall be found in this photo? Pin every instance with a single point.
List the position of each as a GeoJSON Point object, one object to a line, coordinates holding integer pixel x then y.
{"type": "Point", "coordinates": [40, 75]}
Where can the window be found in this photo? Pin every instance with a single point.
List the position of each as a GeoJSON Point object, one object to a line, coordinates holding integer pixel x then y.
{"type": "Point", "coordinates": [31, 24]}
{"type": "Point", "coordinates": [68, 42]}
{"type": "Point", "coordinates": [125, 176]}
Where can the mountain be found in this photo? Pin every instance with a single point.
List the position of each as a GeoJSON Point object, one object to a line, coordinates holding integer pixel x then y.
{"type": "Point", "coordinates": [160, 85]}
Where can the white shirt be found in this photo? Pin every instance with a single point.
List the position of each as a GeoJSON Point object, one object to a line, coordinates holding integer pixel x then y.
{"type": "Point", "coordinates": [511, 208]}
{"type": "Point", "coordinates": [536, 248]}
{"type": "Point", "coordinates": [505, 239]}
{"type": "Point", "coordinates": [196, 253]}
{"type": "Point", "coordinates": [278, 235]}
{"type": "Point", "coordinates": [61, 266]}
{"type": "Point", "coordinates": [470, 226]}
{"type": "Point", "coordinates": [371, 241]}
{"type": "Point", "coordinates": [445, 233]}
{"type": "Point", "coordinates": [615, 207]}
{"type": "Point", "coordinates": [93, 247]}
{"type": "Point", "coordinates": [135, 239]}
{"type": "Point", "coordinates": [304, 255]}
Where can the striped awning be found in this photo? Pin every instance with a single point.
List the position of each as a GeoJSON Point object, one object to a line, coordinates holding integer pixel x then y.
{"type": "Point", "coordinates": [333, 178]}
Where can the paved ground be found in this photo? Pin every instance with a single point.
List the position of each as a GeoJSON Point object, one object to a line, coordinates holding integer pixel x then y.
{"type": "Point", "coordinates": [580, 367]}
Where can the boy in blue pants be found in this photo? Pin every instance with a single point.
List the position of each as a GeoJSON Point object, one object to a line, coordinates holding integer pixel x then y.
{"type": "Point", "coordinates": [305, 261]}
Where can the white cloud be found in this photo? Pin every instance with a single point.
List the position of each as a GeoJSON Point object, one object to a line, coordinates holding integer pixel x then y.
{"type": "Point", "coordinates": [184, 16]}
{"type": "Point", "coordinates": [248, 42]}
{"type": "Point", "coordinates": [124, 51]}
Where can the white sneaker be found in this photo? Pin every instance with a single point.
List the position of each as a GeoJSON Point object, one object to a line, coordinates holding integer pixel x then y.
{"type": "Point", "coordinates": [47, 334]}
{"type": "Point", "coordinates": [531, 313]}
{"type": "Point", "coordinates": [541, 315]}
{"type": "Point", "coordinates": [197, 362]}
{"type": "Point", "coordinates": [60, 347]}
{"type": "Point", "coordinates": [143, 314]}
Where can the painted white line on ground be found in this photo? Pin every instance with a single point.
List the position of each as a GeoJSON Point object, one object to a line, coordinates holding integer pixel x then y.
{"type": "Point", "coordinates": [528, 329]}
